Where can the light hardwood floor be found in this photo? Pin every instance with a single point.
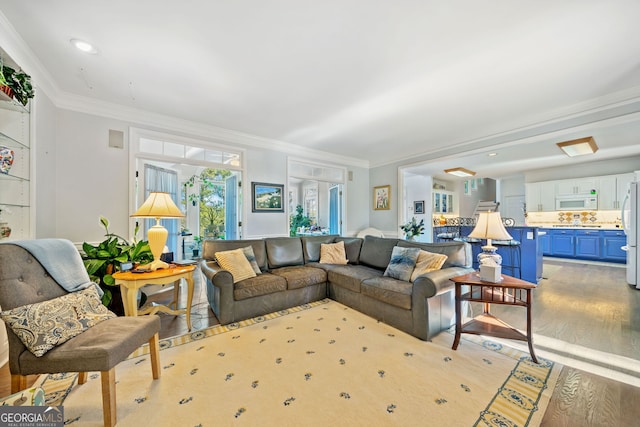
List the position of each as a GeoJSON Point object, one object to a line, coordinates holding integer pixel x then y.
{"type": "Point", "coordinates": [589, 306]}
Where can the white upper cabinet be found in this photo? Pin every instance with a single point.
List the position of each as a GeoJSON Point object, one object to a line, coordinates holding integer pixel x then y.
{"type": "Point", "coordinates": [540, 196]}
{"type": "Point", "coordinates": [612, 190]}
{"type": "Point", "coordinates": [576, 186]}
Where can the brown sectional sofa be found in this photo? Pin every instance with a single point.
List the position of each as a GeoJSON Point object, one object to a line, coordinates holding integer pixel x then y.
{"type": "Point", "coordinates": [292, 275]}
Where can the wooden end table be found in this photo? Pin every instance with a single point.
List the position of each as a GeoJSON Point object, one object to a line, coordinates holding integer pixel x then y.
{"type": "Point", "coordinates": [510, 291]}
{"type": "Point", "coordinates": [130, 283]}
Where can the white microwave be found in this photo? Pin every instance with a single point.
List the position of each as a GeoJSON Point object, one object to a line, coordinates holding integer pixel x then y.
{"type": "Point", "coordinates": [574, 202]}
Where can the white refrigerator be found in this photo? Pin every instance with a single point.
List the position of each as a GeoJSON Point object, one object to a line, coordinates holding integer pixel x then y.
{"type": "Point", "coordinates": [631, 226]}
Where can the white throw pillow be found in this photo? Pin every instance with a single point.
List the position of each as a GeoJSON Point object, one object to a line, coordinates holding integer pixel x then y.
{"type": "Point", "coordinates": [427, 261]}
{"type": "Point", "coordinates": [236, 263]}
{"type": "Point", "coordinates": [333, 253]}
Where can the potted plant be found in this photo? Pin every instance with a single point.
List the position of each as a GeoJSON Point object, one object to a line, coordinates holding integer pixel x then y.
{"type": "Point", "coordinates": [413, 228]}
{"type": "Point", "coordinates": [16, 84]}
{"type": "Point", "coordinates": [104, 259]}
{"type": "Point", "coordinates": [197, 241]}
{"type": "Point", "coordinates": [297, 221]}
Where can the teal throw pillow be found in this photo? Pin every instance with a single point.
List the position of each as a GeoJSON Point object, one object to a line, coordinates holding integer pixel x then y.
{"type": "Point", "coordinates": [403, 261]}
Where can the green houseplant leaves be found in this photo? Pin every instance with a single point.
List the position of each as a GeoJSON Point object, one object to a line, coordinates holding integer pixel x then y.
{"type": "Point", "coordinates": [104, 259]}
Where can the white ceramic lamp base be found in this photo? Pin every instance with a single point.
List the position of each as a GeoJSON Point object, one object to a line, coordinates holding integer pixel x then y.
{"type": "Point", "coordinates": [157, 236]}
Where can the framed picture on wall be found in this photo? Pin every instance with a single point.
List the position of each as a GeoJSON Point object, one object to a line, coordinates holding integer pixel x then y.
{"type": "Point", "coordinates": [267, 197]}
{"type": "Point", "coordinates": [418, 207]}
{"type": "Point", "coordinates": [382, 197]}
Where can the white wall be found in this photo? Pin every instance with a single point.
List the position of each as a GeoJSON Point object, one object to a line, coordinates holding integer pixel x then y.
{"type": "Point", "coordinates": [82, 178]}
{"type": "Point", "coordinates": [43, 112]}
{"type": "Point", "coordinates": [595, 168]}
{"type": "Point", "coordinates": [418, 188]}
{"type": "Point", "coordinates": [385, 220]}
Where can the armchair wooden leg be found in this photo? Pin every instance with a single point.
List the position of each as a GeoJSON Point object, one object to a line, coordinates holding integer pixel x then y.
{"type": "Point", "coordinates": [82, 377]}
{"type": "Point", "coordinates": [154, 352]}
{"type": "Point", "coordinates": [18, 382]}
{"type": "Point", "coordinates": [109, 396]}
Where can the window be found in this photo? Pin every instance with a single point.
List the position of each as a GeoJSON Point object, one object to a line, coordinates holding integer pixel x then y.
{"type": "Point", "coordinates": [203, 179]}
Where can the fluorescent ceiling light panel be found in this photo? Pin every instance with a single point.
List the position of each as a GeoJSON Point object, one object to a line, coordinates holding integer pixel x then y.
{"type": "Point", "coordinates": [460, 172]}
{"type": "Point", "coordinates": [578, 147]}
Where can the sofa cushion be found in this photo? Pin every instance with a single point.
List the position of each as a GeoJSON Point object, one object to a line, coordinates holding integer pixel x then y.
{"type": "Point", "coordinates": [236, 263]}
{"type": "Point", "coordinates": [389, 290]}
{"type": "Point", "coordinates": [210, 247]}
{"type": "Point", "coordinates": [350, 276]}
{"type": "Point", "coordinates": [333, 253]}
{"type": "Point", "coordinates": [300, 277]}
{"type": "Point", "coordinates": [251, 257]}
{"type": "Point", "coordinates": [352, 246]}
{"type": "Point", "coordinates": [311, 246]}
{"type": "Point", "coordinates": [458, 253]}
{"type": "Point", "coordinates": [263, 284]}
{"type": "Point", "coordinates": [402, 263]}
{"type": "Point", "coordinates": [426, 262]}
{"type": "Point", "coordinates": [376, 251]}
{"type": "Point", "coordinates": [44, 325]}
{"type": "Point", "coordinates": [284, 251]}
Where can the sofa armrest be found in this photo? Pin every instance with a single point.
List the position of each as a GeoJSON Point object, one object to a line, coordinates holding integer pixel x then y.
{"type": "Point", "coordinates": [437, 282]}
{"type": "Point", "coordinates": [216, 275]}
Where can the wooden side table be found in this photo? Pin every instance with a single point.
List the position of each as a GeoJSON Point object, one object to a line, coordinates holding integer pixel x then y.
{"type": "Point", "coordinates": [510, 291]}
{"type": "Point", "coordinates": [130, 283]}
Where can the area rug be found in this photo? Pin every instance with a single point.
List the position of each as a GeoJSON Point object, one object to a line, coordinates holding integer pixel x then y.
{"type": "Point", "coordinates": [316, 365]}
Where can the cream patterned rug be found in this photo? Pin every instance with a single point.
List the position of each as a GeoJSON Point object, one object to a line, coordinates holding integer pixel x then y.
{"type": "Point", "coordinates": [316, 365]}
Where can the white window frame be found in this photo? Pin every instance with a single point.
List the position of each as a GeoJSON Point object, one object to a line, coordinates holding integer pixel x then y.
{"type": "Point", "coordinates": [136, 134]}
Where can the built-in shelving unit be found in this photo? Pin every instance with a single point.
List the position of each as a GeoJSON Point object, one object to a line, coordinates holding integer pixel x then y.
{"type": "Point", "coordinates": [15, 194]}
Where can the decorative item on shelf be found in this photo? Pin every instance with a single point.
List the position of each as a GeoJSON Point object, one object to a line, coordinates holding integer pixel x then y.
{"type": "Point", "coordinates": [413, 228]}
{"type": "Point", "coordinates": [15, 84]}
{"type": "Point", "coordinates": [490, 227]}
{"type": "Point", "coordinates": [6, 159]}
{"type": "Point", "coordinates": [158, 205]}
{"type": "Point", "coordinates": [5, 230]}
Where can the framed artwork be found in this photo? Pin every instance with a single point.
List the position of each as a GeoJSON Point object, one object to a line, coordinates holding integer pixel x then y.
{"type": "Point", "coordinates": [382, 197]}
{"type": "Point", "coordinates": [474, 185]}
{"type": "Point", "coordinates": [267, 197]}
{"type": "Point", "coordinates": [466, 188]}
{"type": "Point", "coordinates": [418, 207]}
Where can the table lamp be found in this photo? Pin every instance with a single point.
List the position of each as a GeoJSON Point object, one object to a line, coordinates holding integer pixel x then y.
{"type": "Point", "coordinates": [489, 226]}
{"type": "Point", "coordinates": [158, 205]}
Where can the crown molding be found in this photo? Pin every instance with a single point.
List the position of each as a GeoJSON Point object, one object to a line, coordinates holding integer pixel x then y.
{"type": "Point", "coordinates": [138, 117]}
{"type": "Point", "coordinates": [592, 113]}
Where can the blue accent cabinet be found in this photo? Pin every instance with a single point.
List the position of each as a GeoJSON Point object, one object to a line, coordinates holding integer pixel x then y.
{"type": "Point", "coordinates": [612, 243]}
{"type": "Point", "coordinates": [587, 244]}
{"type": "Point", "coordinates": [562, 243]}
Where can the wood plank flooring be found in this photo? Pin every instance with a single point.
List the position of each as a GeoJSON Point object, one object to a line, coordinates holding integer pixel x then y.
{"type": "Point", "coordinates": [586, 305]}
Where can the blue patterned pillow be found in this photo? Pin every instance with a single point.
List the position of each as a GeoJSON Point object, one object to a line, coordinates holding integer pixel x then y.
{"type": "Point", "coordinates": [248, 252]}
{"type": "Point", "coordinates": [403, 261]}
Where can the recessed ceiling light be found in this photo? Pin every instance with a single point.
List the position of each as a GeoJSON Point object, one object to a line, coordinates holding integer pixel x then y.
{"type": "Point", "coordinates": [84, 46]}
{"type": "Point", "coordinates": [492, 154]}
{"type": "Point", "coordinates": [578, 147]}
{"type": "Point", "coordinates": [460, 172]}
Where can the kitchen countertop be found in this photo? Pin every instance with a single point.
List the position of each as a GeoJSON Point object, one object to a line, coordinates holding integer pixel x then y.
{"type": "Point", "coordinates": [608, 227]}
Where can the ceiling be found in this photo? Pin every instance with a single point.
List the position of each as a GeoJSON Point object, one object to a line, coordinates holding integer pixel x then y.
{"type": "Point", "coordinates": [408, 80]}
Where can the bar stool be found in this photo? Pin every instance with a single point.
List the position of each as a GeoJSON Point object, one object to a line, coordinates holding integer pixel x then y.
{"type": "Point", "coordinates": [450, 231]}
{"type": "Point", "coordinates": [511, 251]}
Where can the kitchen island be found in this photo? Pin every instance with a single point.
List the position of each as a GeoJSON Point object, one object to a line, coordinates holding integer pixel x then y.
{"type": "Point", "coordinates": [525, 257]}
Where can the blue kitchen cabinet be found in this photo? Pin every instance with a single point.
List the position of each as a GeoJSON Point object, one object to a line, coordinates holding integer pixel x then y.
{"type": "Point", "coordinates": [587, 244]}
{"type": "Point", "coordinates": [562, 243]}
{"type": "Point", "coordinates": [612, 243]}
{"type": "Point", "coordinates": [544, 234]}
